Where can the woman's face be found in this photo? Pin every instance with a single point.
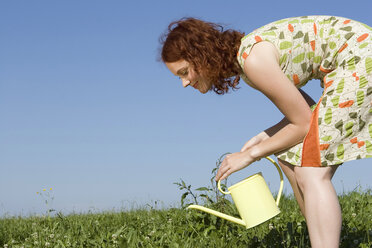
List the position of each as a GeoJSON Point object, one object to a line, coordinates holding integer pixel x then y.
{"type": "Point", "coordinates": [188, 76]}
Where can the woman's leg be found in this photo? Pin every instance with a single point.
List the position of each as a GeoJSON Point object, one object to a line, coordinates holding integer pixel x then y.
{"type": "Point", "coordinates": [288, 170]}
{"type": "Point", "coordinates": [323, 212]}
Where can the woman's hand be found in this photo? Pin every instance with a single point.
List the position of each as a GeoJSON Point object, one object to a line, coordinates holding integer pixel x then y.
{"type": "Point", "coordinates": [237, 161]}
{"type": "Point", "coordinates": [234, 162]}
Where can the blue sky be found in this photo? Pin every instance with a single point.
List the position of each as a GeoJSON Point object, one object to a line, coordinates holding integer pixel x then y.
{"type": "Point", "coordinates": [88, 111]}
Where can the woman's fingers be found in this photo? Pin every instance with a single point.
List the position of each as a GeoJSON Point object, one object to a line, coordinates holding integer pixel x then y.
{"type": "Point", "coordinates": [225, 175]}
{"type": "Point", "coordinates": [223, 168]}
{"type": "Point", "coordinates": [221, 172]}
{"type": "Point", "coordinates": [232, 163]}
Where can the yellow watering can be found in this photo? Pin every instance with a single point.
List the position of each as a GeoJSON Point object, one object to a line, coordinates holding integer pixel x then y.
{"type": "Point", "coordinates": [252, 198]}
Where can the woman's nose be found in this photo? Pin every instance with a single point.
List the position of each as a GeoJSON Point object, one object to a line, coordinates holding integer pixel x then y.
{"type": "Point", "coordinates": [185, 83]}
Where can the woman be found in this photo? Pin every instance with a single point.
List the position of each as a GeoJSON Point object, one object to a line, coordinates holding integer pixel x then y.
{"type": "Point", "coordinates": [278, 59]}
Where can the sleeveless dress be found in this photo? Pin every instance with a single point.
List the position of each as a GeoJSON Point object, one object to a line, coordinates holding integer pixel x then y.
{"type": "Point", "coordinates": [338, 51]}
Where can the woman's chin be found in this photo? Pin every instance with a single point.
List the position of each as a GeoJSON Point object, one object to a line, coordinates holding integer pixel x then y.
{"type": "Point", "coordinates": [203, 91]}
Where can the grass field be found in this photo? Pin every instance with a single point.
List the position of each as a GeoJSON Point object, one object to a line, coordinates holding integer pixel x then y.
{"type": "Point", "coordinates": [178, 227]}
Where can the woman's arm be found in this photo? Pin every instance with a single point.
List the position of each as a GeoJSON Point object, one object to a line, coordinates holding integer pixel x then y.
{"type": "Point", "coordinates": [263, 70]}
{"type": "Point", "coordinates": [274, 129]}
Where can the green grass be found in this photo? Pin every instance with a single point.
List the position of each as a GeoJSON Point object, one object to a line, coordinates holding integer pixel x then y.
{"type": "Point", "coordinates": [177, 227]}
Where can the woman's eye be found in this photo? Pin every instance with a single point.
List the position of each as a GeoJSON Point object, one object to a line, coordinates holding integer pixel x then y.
{"type": "Point", "coordinates": [183, 74]}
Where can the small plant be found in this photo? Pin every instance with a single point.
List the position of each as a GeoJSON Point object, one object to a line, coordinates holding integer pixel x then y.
{"type": "Point", "coordinates": [182, 186]}
{"type": "Point", "coordinates": [210, 194]}
{"type": "Point", "coordinates": [48, 197]}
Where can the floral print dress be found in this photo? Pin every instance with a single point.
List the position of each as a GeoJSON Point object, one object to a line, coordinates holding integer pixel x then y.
{"type": "Point", "coordinates": [338, 51]}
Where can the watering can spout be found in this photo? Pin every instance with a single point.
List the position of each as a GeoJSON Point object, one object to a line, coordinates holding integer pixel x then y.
{"type": "Point", "coordinates": [219, 214]}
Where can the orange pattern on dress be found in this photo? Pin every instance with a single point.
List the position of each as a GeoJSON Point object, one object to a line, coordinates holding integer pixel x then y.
{"type": "Point", "coordinates": [290, 27]}
{"type": "Point", "coordinates": [342, 48]}
{"type": "Point", "coordinates": [327, 84]}
{"type": "Point", "coordinates": [312, 43]}
{"type": "Point", "coordinates": [258, 38]}
{"type": "Point", "coordinates": [354, 140]}
{"type": "Point", "coordinates": [323, 147]}
{"type": "Point", "coordinates": [296, 80]}
{"type": "Point", "coordinates": [362, 37]}
{"type": "Point", "coordinates": [346, 104]}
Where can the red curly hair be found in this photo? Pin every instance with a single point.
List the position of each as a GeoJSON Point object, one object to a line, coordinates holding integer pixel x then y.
{"type": "Point", "coordinates": [207, 47]}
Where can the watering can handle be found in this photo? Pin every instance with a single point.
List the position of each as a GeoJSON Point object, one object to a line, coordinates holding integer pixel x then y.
{"type": "Point", "coordinates": [281, 182]}
{"type": "Point", "coordinates": [219, 187]}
